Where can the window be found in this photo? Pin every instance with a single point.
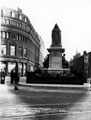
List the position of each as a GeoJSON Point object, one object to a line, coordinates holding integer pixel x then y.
{"type": "Point", "coordinates": [25, 52]}
{"type": "Point", "coordinates": [3, 34]}
{"type": "Point", "coordinates": [12, 22]}
{"type": "Point", "coordinates": [17, 37]}
{"type": "Point", "coordinates": [19, 16]}
{"type": "Point", "coordinates": [23, 26]}
{"type": "Point", "coordinates": [24, 69]}
{"type": "Point", "coordinates": [7, 21]}
{"type": "Point", "coordinates": [4, 12]}
{"type": "Point", "coordinates": [15, 23]}
{"type": "Point", "coordinates": [25, 39]}
{"type": "Point", "coordinates": [3, 49]}
{"type": "Point", "coordinates": [3, 21]}
{"type": "Point", "coordinates": [12, 14]}
{"type": "Point", "coordinates": [19, 24]}
{"type": "Point", "coordinates": [7, 35]}
{"type": "Point", "coordinates": [20, 51]}
{"type": "Point", "coordinates": [12, 50]}
{"type": "Point", "coordinates": [20, 38]}
{"type": "Point", "coordinates": [25, 19]}
{"type": "Point", "coordinates": [1, 12]}
{"type": "Point", "coordinates": [27, 28]}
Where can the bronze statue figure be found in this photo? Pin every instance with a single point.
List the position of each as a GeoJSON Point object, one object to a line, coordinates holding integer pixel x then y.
{"type": "Point", "coordinates": [56, 36]}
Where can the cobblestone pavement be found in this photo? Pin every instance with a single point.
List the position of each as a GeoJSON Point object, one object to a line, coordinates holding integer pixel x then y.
{"type": "Point", "coordinates": [38, 103]}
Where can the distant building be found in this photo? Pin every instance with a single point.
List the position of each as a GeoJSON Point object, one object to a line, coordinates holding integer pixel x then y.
{"type": "Point", "coordinates": [82, 64]}
{"type": "Point", "coordinates": [20, 43]}
{"type": "Point", "coordinates": [41, 55]}
{"type": "Point", "coordinates": [89, 66]}
{"type": "Point", "coordinates": [76, 56]}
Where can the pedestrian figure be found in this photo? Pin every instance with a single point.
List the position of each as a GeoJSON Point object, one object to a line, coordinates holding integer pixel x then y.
{"type": "Point", "coordinates": [3, 76]}
{"type": "Point", "coordinates": [16, 79]}
{"type": "Point", "coordinates": [12, 76]}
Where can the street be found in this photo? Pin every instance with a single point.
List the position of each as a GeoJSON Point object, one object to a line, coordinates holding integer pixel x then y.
{"type": "Point", "coordinates": [44, 103]}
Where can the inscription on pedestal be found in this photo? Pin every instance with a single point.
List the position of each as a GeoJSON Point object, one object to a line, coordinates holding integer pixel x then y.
{"type": "Point", "coordinates": [56, 63]}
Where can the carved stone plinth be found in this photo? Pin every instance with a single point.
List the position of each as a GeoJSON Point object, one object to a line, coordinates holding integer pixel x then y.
{"type": "Point", "coordinates": [55, 59]}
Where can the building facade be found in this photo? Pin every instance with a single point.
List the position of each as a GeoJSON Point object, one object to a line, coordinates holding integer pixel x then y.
{"type": "Point", "coordinates": [82, 64]}
{"type": "Point", "coordinates": [20, 43]}
{"type": "Point", "coordinates": [89, 66]}
{"type": "Point", "coordinates": [41, 56]}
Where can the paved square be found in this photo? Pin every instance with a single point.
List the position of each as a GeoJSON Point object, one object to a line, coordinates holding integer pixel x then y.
{"type": "Point", "coordinates": [44, 103]}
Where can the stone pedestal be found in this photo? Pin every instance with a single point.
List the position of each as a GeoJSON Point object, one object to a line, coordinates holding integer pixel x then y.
{"type": "Point", "coordinates": [55, 59]}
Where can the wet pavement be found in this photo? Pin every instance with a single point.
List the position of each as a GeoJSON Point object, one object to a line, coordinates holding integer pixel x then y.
{"type": "Point", "coordinates": [44, 103]}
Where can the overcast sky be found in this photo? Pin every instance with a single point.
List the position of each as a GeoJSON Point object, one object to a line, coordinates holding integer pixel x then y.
{"type": "Point", "coordinates": [72, 16]}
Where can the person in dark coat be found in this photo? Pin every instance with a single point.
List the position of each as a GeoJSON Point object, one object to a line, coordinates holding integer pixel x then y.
{"type": "Point", "coordinates": [3, 76]}
{"type": "Point", "coordinates": [12, 76]}
{"type": "Point", "coordinates": [16, 79]}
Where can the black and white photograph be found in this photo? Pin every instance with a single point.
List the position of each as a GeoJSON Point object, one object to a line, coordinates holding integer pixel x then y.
{"type": "Point", "coordinates": [45, 60]}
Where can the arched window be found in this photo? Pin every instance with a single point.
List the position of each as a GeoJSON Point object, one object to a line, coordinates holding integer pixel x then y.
{"type": "Point", "coordinates": [19, 16]}
{"type": "Point", "coordinates": [12, 14]}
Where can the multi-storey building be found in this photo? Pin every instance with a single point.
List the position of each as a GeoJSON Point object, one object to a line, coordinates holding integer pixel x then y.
{"type": "Point", "coordinates": [89, 66]}
{"type": "Point", "coordinates": [82, 64]}
{"type": "Point", "coordinates": [41, 56]}
{"type": "Point", "coordinates": [20, 43]}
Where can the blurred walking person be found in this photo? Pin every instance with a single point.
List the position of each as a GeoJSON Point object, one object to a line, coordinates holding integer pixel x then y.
{"type": "Point", "coordinates": [2, 76]}
{"type": "Point", "coordinates": [12, 75]}
{"type": "Point", "coordinates": [16, 79]}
